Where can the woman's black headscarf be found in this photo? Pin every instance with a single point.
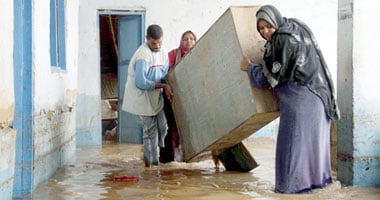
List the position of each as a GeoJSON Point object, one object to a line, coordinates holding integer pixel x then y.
{"type": "Point", "coordinates": [293, 54]}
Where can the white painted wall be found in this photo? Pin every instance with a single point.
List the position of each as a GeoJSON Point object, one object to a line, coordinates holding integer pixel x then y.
{"type": "Point", "coordinates": [54, 93]}
{"type": "Point", "coordinates": [53, 87]}
{"type": "Point", "coordinates": [366, 42]}
{"type": "Point", "coordinates": [6, 62]}
{"type": "Point", "coordinates": [366, 108]}
{"type": "Point", "coordinates": [7, 101]}
{"type": "Point", "coordinates": [358, 130]}
{"type": "Point", "coordinates": [199, 15]}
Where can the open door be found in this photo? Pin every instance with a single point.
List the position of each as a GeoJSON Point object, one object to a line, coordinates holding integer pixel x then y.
{"type": "Point", "coordinates": [130, 37]}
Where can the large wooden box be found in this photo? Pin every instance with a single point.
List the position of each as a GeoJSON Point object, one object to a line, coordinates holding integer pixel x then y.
{"type": "Point", "coordinates": [214, 105]}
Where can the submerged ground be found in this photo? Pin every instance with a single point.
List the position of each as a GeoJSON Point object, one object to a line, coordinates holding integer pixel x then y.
{"type": "Point", "coordinates": [91, 176]}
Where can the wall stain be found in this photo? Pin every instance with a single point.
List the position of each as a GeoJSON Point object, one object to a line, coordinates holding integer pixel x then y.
{"type": "Point", "coordinates": [348, 158]}
{"type": "Point", "coordinates": [6, 116]}
{"type": "Point", "coordinates": [345, 12]}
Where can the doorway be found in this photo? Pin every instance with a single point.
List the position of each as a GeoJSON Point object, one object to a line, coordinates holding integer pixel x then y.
{"type": "Point", "coordinates": [109, 74]}
{"type": "Point", "coordinates": [120, 33]}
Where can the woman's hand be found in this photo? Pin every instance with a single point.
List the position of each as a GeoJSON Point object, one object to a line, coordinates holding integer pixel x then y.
{"type": "Point", "coordinates": [244, 64]}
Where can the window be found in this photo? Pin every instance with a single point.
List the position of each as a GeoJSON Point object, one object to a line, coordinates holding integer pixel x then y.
{"type": "Point", "coordinates": [57, 34]}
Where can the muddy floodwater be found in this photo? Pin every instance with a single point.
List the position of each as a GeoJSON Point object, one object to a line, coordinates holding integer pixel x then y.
{"type": "Point", "coordinates": [91, 175]}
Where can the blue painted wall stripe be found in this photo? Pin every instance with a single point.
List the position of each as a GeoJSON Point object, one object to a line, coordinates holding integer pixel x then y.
{"type": "Point", "coordinates": [61, 35]}
{"type": "Point", "coordinates": [53, 35]}
{"type": "Point", "coordinates": [23, 96]}
{"type": "Point", "coordinates": [57, 34]}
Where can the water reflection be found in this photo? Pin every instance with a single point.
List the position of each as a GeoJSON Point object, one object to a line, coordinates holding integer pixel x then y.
{"type": "Point", "coordinates": [91, 176]}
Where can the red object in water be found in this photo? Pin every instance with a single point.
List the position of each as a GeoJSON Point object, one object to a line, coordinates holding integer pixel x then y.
{"type": "Point", "coordinates": [124, 178]}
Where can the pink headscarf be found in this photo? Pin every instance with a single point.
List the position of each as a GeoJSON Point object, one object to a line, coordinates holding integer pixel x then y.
{"type": "Point", "coordinates": [176, 55]}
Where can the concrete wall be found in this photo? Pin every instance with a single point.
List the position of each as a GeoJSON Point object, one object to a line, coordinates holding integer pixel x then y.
{"type": "Point", "coordinates": [54, 93]}
{"type": "Point", "coordinates": [359, 138]}
{"type": "Point", "coordinates": [7, 161]}
{"type": "Point", "coordinates": [196, 15]}
{"type": "Point", "coordinates": [6, 73]}
{"type": "Point", "coordinates": [7, 134]}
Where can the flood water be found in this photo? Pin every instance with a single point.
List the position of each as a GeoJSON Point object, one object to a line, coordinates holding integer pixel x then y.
{"type": "Point", "coordinates": [91, 176]}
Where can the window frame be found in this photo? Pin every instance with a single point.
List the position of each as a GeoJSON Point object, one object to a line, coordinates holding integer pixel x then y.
{"type": "Point", "coordinates": [57, 34]}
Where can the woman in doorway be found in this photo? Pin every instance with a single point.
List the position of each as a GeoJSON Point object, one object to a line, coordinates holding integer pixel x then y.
{"type": "Point", "coordinates": [294, 67]}
{"type": "Point", "coordinates": [172, 150]}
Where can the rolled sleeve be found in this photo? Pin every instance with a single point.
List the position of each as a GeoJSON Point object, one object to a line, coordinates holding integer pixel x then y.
{"type": "Point", "coordinates": [256, 75]}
